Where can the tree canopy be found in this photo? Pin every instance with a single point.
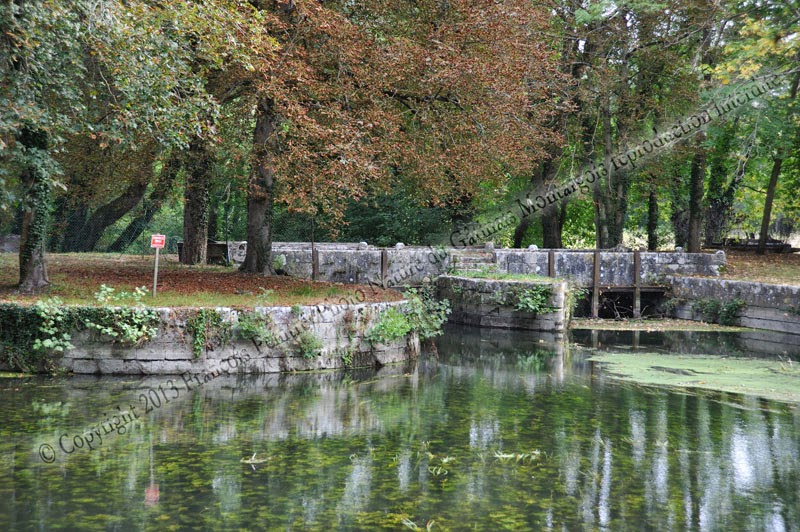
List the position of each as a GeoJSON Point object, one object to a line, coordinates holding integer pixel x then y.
{"type": "Point", "coordinates": [318, 110]}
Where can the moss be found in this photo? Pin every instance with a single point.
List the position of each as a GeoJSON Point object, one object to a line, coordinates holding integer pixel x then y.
{"type": "Point", "coordinates": [771, 379]}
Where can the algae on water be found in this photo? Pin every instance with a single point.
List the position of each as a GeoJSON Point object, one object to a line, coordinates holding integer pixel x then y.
{"type": "Point", "coordinates": [771, 379]}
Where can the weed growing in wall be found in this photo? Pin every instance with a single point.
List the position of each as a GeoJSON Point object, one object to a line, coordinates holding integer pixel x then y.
{"type": "Point", "coordinates": [422, 314]}
{"type": "Point", "coordinates": [208, 331]}
{"type": "Point", "coordinates": [534, 300]}
{"type": "Point", "coordinates": [307, 344]}
{"type": "Point", "coordinates": [718, 312]}
{"type": "Point", "coordinates": [127, 324]}
{"type": "Point", "coordinates": [256, 327]}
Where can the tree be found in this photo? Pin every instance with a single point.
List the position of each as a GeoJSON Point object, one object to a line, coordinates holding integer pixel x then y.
{"type": "Point", "coordinates": [40, 60]}
{"type": "Point", "coordinates": [439, 94]}
{"type": "Point", "coordinates": [147, 63]}
{"type": "Point", "coordinates": [768, 44]}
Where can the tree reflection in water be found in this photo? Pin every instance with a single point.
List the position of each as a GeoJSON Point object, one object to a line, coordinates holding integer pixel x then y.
{"type": "Point", "coordinates": [501, 431]}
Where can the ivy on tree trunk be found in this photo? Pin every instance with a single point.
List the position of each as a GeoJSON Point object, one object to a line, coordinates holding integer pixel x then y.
{"type": "Point", "coordinates": [35, 179]}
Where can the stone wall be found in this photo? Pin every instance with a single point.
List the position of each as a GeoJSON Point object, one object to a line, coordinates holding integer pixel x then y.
{"type": "Point", "coordinates": [363, 264]}
{"type": "Point", "coordinates": [491, 303]}
{"type": "Point", "coordinates": [616, 268]}
{"type": "Point", "coordinates": [9, 243]}
{"type": "Point", "coordinates": [744, 343]}
{"type": "Point", "coordinates": [413, 265]}
{"type": "Point", "coordinates": [339, 328]}
{"type": "Point", "coordinates": [774, 307]}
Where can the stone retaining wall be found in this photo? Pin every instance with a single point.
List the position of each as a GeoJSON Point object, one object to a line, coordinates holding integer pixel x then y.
{"type": "Point", "coordinates": [491, 303]}
{"type": "Point", "coordinates": [413, 265]}
{"type": "Point", "coordinates": [339, 328]}
{"type": "Point", "coordinates": [362, 264]}
{"type": "Point", "coordinates": [616, 267]}
{"type": "Point", "coordinates": [774, 307]}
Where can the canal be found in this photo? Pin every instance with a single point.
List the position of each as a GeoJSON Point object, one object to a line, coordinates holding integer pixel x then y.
{"type": "Point", "coordinates": [495, 430]}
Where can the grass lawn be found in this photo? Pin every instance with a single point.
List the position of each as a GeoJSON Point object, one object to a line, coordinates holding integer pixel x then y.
{"type": "Point", "coordinates": [75, 277]}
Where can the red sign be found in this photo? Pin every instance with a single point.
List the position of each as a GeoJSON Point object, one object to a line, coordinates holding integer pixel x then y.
{"type": "Point", "coordinates": [157, 241]}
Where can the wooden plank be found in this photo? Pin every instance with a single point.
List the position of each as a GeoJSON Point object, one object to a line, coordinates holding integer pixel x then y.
{"type": "Point", "coordinates": [384, 268]}
{"type": "Point", "coordinates": [551, 263]}
{"type": "Point", "coordinates": [637, 281]}
{"type": "Point", "coordinates": [314, 263]}
{"type": "Point", "coordinates": [596, 285]}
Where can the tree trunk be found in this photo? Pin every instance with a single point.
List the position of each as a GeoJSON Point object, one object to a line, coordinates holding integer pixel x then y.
{"type": "Point", "coordinates": [552, 217]}
{"type": "Point", "coordinates": [169, 172]}
{"type": "Point", "coordinates": [32, 266]}
{"type": "Point", "coordinates": [773, 183]}
{"type": "Point", "coordinates": [260, 191]}
{"type": "Point", "coordinates": [552, 223]}
{"type": "Point", "coordinates": [520, 230]}
{"type": "Point", "coordinates": [773, 179]}
{"type": "Point", "coordinates": [87, 237]}
{"type": "Point", "coordinates": [608, 233]}
{"type": "Point", "coordinates": [696, 195]}
{"type": "Point", "coordinates": [652, 222]}
{"type": "Point", "coordinates": [720, 194]}
{"type": "Point", "coordinates": [196, 206]}
{"type": "Point", "coordinates": [68, 221]}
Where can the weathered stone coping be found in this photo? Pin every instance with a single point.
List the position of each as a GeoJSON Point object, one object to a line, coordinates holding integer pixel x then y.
{"type": "Point", "coordinates": [340, 329]}
{"type": "Point", "coordinates": [774, 307]}
{"type": "Point", "coordinates": [491, 303]}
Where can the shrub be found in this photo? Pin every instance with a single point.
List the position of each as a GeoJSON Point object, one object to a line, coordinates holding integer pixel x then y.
{"type": "Point", "coordinates": [422, 314]}
{"type": "Point", "coordinates": [307, 344]}
{"type": "Point", "coordinates": [128, 324]}
{"type": "Point", "coordinates": [727, 314]}
{"type": "Point", "coordinates": [534, 300]}
{"type": "Point", "coordinates": [256, 327]}
{"type": "Point", "coordinates": [392, 325]}
{"type": "Point", "coordinates": [709, 308]}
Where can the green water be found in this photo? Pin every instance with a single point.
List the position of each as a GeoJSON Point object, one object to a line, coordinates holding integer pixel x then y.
{"type": "Point", "coordinates": [501, 431]}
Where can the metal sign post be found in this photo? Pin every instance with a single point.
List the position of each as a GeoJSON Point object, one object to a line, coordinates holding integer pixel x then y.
{"type": "Point", "coordinates": [156, 241]}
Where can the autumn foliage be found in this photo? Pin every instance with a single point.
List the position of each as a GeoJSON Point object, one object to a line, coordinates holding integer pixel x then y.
{"type": "Point", "coordinates": [444, 95]}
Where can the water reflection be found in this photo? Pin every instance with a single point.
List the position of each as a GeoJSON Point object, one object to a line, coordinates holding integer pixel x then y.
{"type": "Point", "coordinates": [499, 431]}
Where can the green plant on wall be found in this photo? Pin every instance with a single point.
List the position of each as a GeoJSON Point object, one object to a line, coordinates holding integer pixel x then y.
{"type": "Point", "coordinates": [708, 307]}
{"type": "Point", "coordinates": [19, 328]}
{"type": "Point", "coordinates": [573, 296]}
{"type": "Point", "coordinates": [30, 336]}
{"type": "Point", "coordinates": [534, 300]}
{"type": "Point", "coordinates": [307, 344]}
{"type": "Point", "coordinates": [422, 314]}
{"type": "Point", "coordinates": [728, 312]}
{"type": "Point", "coordinates": [718, 312]}
{"type": "Point", "coordinates": [256, 327]}
{"type": "Point", "coordinates": [127, 324]}
{"type": "Point", "coordinates": [347, 356]}
{"type": "Point", "coordinates": [671, 305]}
{"type": "Point", "coordinates": [54, 328]}
{"type": "Point", "coordinates": [208, 330]}
{"type": "Point", "coordinates": [392, 325]}
{"type": "Point", "coordinates": [425, 314]}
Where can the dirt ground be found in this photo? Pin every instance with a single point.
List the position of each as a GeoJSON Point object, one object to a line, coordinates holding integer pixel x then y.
{"type": "Point", "coordinates": [779, 268]}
